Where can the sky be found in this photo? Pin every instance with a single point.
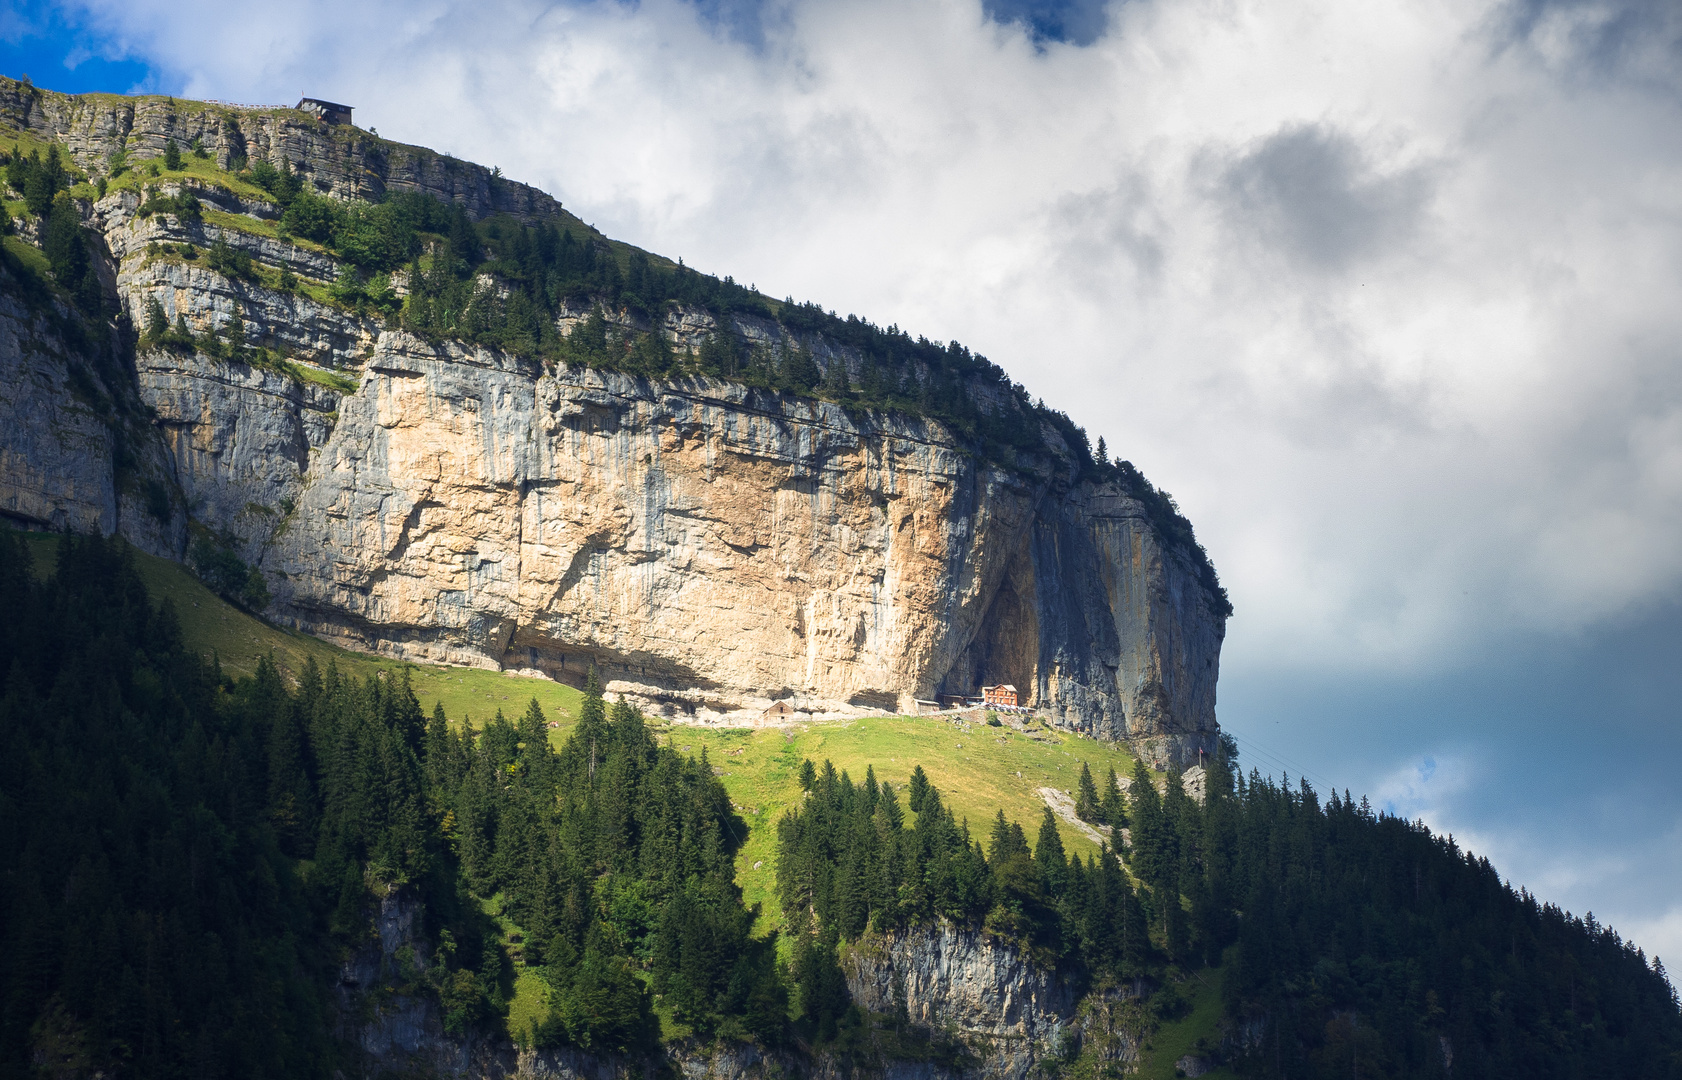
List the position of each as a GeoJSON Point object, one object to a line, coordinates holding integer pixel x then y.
{"type": "Point", "coordinates": [1388, 295]}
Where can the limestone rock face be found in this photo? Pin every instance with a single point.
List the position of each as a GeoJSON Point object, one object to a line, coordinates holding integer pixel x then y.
{"type": "Point", "coordinates": [240, 438]}
{"type": "Point", "coordinates": [948, 978]}
{"type": "Point", "coordinates": [55, 452]}
{"type": "Point", "coordinates": [1012, 1014]}
{"type": "Point", "coordinates": [148, 267]}
{"type": "Point", "coordinates": [709, 547]}
{"type": "Point", "coordinates": [75, 452]}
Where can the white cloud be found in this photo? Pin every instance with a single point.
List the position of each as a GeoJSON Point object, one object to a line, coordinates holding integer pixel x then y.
{"type": "Point", "coordinates": [1383, 294]}
{"type": "Point", "coordinates": [1660, 936]}
{"type": "Point", "coordinates": [1418, 790]}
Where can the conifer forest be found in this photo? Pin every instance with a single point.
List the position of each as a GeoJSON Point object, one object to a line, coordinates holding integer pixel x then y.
{"type": "Point", "coordinates": [187, 857]}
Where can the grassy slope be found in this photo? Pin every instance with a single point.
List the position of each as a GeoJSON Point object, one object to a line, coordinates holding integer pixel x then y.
{"type": "Point", "coordinates": [976, 771]}
{"type": "Point", "coordinates": [209, 625]}
{"type": "Point", "coordinates": [29, 253]}
{"type": "Point", "coordinates": [1197, 1032]}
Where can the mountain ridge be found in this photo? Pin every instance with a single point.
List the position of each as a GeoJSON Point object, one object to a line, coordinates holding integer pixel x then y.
{"type": "Point", "coordinates": [427, 431]}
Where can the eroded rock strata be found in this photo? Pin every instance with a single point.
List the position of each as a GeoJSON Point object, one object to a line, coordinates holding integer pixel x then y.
{"type": "Point", "coordinates": [979, 1007]}
{"type": "Point", "coordinates": [710, 547]}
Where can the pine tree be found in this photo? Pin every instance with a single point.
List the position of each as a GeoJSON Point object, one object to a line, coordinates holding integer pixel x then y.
{"type": "Point", "coordinates": [1112, 811]}
{"type": "Point", "coordinates": [537, 758]}
{"type": "Point", "coordinates": [172, 155]}
{"type": "Point", "coordinates": [235, 331]}
{"type": "Point", "coordinates": [918, 790]}
{"type": "Point", "coordinates": [1148, 854]}
{"type": "Point", "coordinates": [1183, 819]}
{"type": "Point", "coordinates": [1001, 844]}
{"type": "Point", "coordinates": [1175, 928]}
{"type": "Point", "coordinates": [1087, 806]}
{"type": "Point", "coordinates": [836, 384]}
{"type": "Point", "coordinates": [719, 354]}
{"type": "Point", "coordinates": [1049, 857]}
{"type": "Point", "coordinates": [437, 753]}
{"type": "Point", "coordinates": [592, 731]}
{"type": "Point", "coordinates": [43, 180]}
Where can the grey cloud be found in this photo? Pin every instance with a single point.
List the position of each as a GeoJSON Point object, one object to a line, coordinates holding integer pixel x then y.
{"type": "Point", "coordinates": [1634, 40]}
{"type": "Point", "coordinates": [1309, 192]}
{"type": "Point", "coordinates": [1119, 228]}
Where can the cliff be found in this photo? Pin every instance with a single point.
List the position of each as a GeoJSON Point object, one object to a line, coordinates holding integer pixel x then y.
{"type": "Point", "coordinates": [340, 160]}
{"type": "Point", "coordinates": [972, 993]}
{"type": "Point", "coordinates": [709, 546]}
{"type": "Point", "coordinates": [985, 993]}
{"type": "Point", "coordinates": [77, 452]}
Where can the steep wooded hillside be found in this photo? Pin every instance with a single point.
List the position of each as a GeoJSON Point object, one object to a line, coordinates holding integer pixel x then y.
{"type": "Point", "coordinates": [240, 878]}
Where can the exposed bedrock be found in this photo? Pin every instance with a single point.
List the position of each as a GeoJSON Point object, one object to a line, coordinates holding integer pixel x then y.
{"type": "Point", "coordinates": [708, 546]}
{"type": "Point", "coordinates": [76, 451]}
{"type": "Point", "coordinates": [336, 159]}
{"type": "Point", "coordinates": [955, 984]}
{"type": "Point", "coordinates": [968, 984]}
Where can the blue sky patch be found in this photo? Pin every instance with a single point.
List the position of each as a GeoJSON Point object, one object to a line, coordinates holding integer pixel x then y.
{"type": "Point", "coordinates": [59, 52]}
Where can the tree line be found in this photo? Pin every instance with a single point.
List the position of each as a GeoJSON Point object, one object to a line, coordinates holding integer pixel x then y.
{"type": "Point", "coordinates": [186, 857]}
{"type": "Point", "coordinates": [1350, 939]}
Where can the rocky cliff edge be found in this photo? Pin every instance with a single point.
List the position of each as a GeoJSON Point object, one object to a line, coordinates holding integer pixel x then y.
{"type": "Point", "coordinates": [709, 547]}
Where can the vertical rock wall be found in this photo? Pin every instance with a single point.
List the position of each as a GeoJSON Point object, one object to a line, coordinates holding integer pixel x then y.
{"type": "Point", "coordinates": [76, 452]}
{"type": "Point", "coordinates": [710, 547]}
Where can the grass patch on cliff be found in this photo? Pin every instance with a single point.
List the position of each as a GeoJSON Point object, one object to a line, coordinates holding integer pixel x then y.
{"type": "Point", "coordinates": [137, 175]}
{"type": "Point", "coordinates": [257, 226]}
{"type": "Point", "coordinates": [309, 373]}
{"type": "Point", "coordinates": [27, 142]}
{"type": "Point", "coordinates": [1197, 1031]}
{"type": "Point", "coordinates": [978, 772]}
{"type": "Point", "coordinates": [28, 254]}
{"type": "Point", "coordinates": [529, 1007]}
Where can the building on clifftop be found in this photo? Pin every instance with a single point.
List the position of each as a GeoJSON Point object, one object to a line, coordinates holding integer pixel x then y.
{"type": "Point", "coordinates": [328, 112]}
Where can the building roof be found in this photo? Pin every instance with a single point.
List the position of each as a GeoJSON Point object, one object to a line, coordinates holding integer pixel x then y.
{"type": "Point", "coordinates": [1000, 686]}
{"type": "Point", "coordinates": [329, 105]}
